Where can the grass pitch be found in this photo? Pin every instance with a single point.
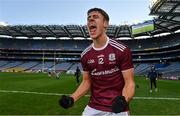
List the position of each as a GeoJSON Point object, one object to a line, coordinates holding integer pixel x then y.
{"type": "Point", "coordinates": [37, 94]}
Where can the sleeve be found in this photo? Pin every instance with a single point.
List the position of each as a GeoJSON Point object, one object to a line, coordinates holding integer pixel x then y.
{"type": "Point", "coordinates": [84, 64]}
{"type": "Point", "coordinates": [126, 60]}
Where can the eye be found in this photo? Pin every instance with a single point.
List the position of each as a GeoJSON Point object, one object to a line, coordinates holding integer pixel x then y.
{"type": "Point", "coordinates": [88, 17]}
{"type": "Point", "coordinates": [95, 16]}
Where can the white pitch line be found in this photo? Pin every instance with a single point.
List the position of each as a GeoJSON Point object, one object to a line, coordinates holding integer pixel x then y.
{"type": "Point", "coordinates": [58, 94]}
{"type": "Point", "coordinates": [30, 92]}
{"type": "Point", "coordinates": [160, 98]}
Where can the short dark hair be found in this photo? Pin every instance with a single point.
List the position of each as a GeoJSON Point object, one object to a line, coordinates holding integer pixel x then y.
{"type": "Point", "coordinates": [106, 16]}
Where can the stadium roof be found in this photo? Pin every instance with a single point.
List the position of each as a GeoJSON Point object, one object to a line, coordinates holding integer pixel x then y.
{"type": "Point", "coordinates": [168, 12]}
{"type": "Point", "coordinates": [168, 21]}
{"type": "Point", "coordinates": [57, 31]}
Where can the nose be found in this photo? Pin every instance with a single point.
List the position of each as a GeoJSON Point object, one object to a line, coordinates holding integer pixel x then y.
{"type": "Point", "coordinates": [90, 19]}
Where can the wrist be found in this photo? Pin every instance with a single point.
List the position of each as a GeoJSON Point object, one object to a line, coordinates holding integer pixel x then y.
{"type": "Point", "coordinates": [74, 98]}
{"type": "Point", "coordinates": [126, 98]}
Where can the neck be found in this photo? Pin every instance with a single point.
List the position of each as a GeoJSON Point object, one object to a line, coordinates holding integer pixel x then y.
{"type": "Point", "coordinates": [100, 41]}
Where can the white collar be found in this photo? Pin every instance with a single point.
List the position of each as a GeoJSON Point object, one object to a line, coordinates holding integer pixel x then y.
{"type": "Point", "coordinates": [98, 49]}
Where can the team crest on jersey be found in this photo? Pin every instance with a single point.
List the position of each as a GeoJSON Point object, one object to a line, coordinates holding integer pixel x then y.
{"type": "Point", "coordinates": [112, 57]}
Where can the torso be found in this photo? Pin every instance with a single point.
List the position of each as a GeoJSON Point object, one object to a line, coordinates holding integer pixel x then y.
{"type": "Point", "coordinates": [104, 66]}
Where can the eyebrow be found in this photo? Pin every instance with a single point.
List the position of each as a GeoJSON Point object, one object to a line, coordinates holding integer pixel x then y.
{"type": "Point", "coordinates": [91, 16]}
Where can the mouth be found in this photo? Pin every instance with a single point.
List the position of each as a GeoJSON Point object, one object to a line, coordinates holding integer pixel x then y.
{"type": "Point", "coordinates": [92, 29]}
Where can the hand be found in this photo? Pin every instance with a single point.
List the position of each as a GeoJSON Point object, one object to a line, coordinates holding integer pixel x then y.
{"type": "Point", "coordinates": [66, 101]}
{"type": "Point", "coordinates": [119, 104]}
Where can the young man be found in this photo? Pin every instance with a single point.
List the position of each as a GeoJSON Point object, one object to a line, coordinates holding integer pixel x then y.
{"type": "Point", "coordinates": [152, 75]}
{"type": "Point", "coordinates": [107, 71]}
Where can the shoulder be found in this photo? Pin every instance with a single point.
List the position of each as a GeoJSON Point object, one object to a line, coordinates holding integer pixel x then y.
{"type": "Point", "coordinates": [86, 50]}
{"type": "Point", "coordinates": [118, 45]}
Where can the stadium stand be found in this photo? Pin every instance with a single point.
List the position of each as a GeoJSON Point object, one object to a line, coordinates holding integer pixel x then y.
{"type": "Point", "coordinates": [152, 50]}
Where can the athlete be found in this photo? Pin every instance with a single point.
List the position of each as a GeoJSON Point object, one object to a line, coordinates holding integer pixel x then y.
{"type": "Point", "coordinates": [152, 77]}
{"type": "Point", "coordinates": [107, 71]}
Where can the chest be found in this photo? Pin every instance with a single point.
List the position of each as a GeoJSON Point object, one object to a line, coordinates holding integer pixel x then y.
{"type": "Point", "coordinates": [102, 60]}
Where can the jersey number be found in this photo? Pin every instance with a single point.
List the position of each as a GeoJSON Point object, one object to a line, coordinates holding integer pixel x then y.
{"type": "Point", "coordinates": [100, 61]}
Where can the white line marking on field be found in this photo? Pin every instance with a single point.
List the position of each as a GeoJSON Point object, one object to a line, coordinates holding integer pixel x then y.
{"type": "Point", "coordinates": [30, 92]}
{"type": "Point", "coordinates": [160, 98]}
{"type": "Point", "coordinates": [58, 94]}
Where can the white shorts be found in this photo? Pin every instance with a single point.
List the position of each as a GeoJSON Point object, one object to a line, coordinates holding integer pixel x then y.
{"type": "Point", "coordinates": [88, 111]}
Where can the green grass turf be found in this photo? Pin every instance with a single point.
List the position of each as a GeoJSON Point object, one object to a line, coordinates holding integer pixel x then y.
{"type": "Point", "coordinates": [39, 104]}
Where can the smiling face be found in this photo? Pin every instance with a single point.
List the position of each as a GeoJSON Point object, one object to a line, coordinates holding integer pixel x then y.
{"type": "Point", "coordinates": [96, 24]}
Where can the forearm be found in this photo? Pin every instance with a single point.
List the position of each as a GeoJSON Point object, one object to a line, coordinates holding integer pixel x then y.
{"type": "Point", "coordinates": [68, 101]}
{"type": "Point", "coordinates": [128, 91]}
{"type": "Point", "coordinates": [129, 87]}
{"type": "Point", "coordinates": [82, 90]}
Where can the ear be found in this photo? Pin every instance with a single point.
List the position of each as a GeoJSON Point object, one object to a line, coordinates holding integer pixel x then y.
{"type": "Point", "coordinates": [106, 24]}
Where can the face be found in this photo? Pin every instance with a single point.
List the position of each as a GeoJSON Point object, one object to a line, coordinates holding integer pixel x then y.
{"type": "Point", "coordinates": [96, 24]}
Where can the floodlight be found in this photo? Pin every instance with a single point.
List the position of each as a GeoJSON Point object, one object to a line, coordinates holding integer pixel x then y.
{"type": "Point", "coordinates": [3, 24]}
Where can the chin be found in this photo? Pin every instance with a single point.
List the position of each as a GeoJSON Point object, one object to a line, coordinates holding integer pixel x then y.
{"type": "Point", "coordinates": [93, 36]}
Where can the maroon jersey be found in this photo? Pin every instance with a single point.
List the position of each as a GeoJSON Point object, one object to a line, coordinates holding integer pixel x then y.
{"type": "Point", "coordinates": [105, 66]}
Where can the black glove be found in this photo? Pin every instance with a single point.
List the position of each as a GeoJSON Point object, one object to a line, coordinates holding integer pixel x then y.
{"type": "Point", "coordinates": [119, 104]}
{"type": "Point", "coordinates": [66, 101]}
